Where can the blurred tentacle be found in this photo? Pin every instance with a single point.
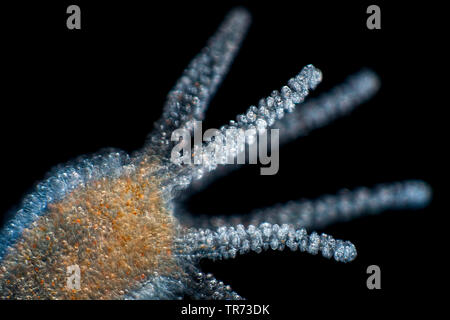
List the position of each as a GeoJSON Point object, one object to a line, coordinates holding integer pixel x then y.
{"type": "Point", "coordinates": [328, 209]}
{"type": "Point", "coordinates": [188, 100]}
{"type": "Point", "coordinates": [338, 102]}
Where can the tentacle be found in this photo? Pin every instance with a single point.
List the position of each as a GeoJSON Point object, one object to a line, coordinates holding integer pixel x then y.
{"type": "Point", "coordinates": [254, 121]}
{"type": "Point", "coordinates": [227, 242]}
{"type": "Point", "coordinates": [313, 114]}
{"type": "Point", "coordinates": [328, 209]}
{"type": "Point", "coordinates": [206, 286]}
{"type": "Point", "coordinates": [346, 205]}
{"type": "Point", "coordinates": [189, 98]}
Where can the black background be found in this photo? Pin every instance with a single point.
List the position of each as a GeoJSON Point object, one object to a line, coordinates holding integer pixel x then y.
{"type": "Point", "coordinates": [71, 92]}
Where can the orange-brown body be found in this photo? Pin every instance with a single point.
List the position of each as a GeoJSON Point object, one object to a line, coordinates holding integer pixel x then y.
{"type": "Point", "coordinates": [117, 230]}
